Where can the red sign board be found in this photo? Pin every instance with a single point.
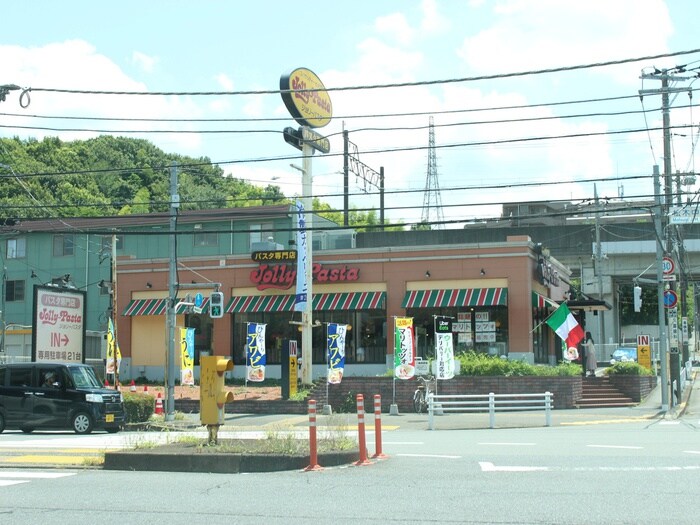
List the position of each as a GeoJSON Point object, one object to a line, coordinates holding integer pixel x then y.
{"type": "Point", "coordinates": [283, 276]}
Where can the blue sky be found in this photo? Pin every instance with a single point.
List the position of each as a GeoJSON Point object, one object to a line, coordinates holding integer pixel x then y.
{"type": "Point", "coordinates": [218, 46]}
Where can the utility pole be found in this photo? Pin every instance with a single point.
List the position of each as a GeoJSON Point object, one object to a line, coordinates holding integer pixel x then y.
{"type": "Point", "coordinates": [115, 341]}
{"type": "Point", "coordinates": [170, 312]}
{"type": "Point", "coordinates": [665, 76]}
{"type": "Point", "coordinates": [663, 339]}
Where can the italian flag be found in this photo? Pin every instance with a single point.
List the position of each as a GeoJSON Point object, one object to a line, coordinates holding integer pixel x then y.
{"type": "Point", "coordinates": [564, 324]}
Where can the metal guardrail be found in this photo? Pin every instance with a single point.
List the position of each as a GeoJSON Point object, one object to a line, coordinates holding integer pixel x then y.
{"type": "Point", "coordinates": [438, 404]}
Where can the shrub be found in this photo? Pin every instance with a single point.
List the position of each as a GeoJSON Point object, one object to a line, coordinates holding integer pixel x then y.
{"type": "Point", "coordinates": [349, 404]}
{"type": "Point", "coordinates": [138, 407]}
{"type": "Point", "coordinates": [476, 364]}
{"type": "Point", "coordinates": [628, 368]}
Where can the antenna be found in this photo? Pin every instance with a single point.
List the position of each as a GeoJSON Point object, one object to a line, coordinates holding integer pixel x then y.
{"type": "Point", "coordinates": [432, 202]}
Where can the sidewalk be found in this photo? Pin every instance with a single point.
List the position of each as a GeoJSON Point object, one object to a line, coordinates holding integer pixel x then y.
{"type": "Point", "coordinates": [650, 408]}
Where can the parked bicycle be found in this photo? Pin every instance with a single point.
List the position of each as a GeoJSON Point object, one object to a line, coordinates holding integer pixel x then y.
{"type": "Point", "coordinates": [420, 396]}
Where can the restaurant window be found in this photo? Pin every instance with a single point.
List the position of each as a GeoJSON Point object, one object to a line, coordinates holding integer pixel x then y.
{"type": "Point", "coordinates": [202, 325]}
{"type": "Point", "coordinates": [481, 329]}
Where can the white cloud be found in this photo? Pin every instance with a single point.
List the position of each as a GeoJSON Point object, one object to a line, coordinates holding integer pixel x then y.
{"type": "Point", "coordinates": [145, 62]}
{"type": "Point", "coordinates": [538, 34]}
{"type": "Point", "coordinates": [76, 65]}
{"type": "Point", "coordinates": [433, 22]}
{"type": "Point", "coordinates": [396, 27]}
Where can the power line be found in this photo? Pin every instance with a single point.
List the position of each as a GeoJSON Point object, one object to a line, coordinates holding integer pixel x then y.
{"type": "Point", "coordinates": [560, 69]}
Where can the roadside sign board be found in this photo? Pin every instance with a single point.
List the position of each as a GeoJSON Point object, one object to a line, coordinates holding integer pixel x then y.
{"type": "Point", "coordinates": [670, 299]}
{"type": "Point", "coordinates": [644, 351]}
{"type": "Point", "coordinates": [668, 265]}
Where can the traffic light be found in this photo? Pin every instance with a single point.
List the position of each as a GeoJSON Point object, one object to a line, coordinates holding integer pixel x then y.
{"type": "Point", "coordinates": [212, 393]}
{"type": "Point", "coordinates": [216, 305]}
{"type": "Point", "coordinates": [637, 298]}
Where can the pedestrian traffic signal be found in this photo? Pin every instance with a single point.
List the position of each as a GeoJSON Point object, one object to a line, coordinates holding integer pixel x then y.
{"type": "Point", "coordinates": [637, 298]}
{"type": "Point", "coordinates": [216, 305]}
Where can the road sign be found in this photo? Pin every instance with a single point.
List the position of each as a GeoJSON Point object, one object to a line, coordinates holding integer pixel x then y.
{"type": "Point", "coordinates": [198, 300]}
{"type": "Point", "coordinates": [315, 140]}
{"type": "Point", "coordinates": [670, 299]}
{"type": "Point", "coordinates": [668, 266]}
{"type": "Point", "coordinates": [644, 350]}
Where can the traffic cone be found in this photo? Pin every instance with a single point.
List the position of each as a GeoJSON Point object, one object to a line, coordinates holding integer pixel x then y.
{"type": "Point", "coordinates": [132, 388]}
{"type": "Point", "coordinates": [145, 389]}
{"type": "Point", "coordinates": [159, 404]}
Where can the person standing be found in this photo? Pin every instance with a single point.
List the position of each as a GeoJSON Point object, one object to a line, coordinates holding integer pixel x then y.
{"type": "Point", "coordinates": [591, 362]}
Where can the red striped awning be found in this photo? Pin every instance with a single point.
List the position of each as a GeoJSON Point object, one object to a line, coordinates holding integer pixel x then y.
{"type": "Point", "coordinates": [326, 301]}
{"type": "Point", "coordinates": [156, 307]}
{"type": "Point", "coordinates": [464, 297]}
{"type": "Point", "coordinates": [349, 301]}
{"type": "Point", "coordinates": [538, 300]}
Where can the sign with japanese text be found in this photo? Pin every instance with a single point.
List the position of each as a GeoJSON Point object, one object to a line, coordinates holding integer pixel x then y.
{"type": "Point", "coordinates": [444, 349]}
{"type": "Point", "coordinates": [59, 325]}
{"type": "Point", "coordinates": [336, 352]}
{"type": "Point", "coordinates": [256, 358]}
{"type": "Point", "coordinates": [187, 356]}
{"type": "Point", "coordinates": [404, 348]}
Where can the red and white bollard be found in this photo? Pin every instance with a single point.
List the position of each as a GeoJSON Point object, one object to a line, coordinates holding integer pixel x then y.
{"type": "Point", "coordinates": [378, 454]}
{"type": "Point", "coordinates": [361, 432]}
{"type": "Point", "coordinates": [313, 444]}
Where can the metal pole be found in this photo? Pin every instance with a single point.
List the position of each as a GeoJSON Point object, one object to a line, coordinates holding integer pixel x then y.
{"type": "Point", "coordinates": [172, 299]}
{"type": "Point", "coordinates": [381, 197]}
{"type": "Point", "coordinates": [598, 269]}
{"type": "Point", "coordinates": [115, 341]}
{"type": "Point", "coordinates": [660, 290]}
{"type": "Point", "coordinates": [306, 316]}
{"type": "Point", "coordinates": [346, 179]}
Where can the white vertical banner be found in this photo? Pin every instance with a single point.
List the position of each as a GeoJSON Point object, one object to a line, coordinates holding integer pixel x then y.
{"type": "Point", "coordinates": [444, 350]}
{"type": "Point", "coordinates": [302, 290]}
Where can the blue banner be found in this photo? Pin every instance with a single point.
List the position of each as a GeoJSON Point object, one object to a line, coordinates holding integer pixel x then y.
{"type": "Point", "coordinates": [255, 352]}
{"type": "Point", "coordinates": [336, 352]}
{"type": "Point", "coordinates": [302, 291]}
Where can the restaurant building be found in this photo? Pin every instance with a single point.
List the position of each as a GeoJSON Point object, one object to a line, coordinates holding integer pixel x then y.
{"type": "Point", "coordinates": [498, 295]}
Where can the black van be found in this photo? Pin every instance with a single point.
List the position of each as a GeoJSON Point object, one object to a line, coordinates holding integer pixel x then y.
{"type": "Point", "coordinates": [57, 396]}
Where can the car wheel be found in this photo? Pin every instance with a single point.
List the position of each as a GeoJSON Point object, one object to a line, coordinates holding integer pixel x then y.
{"type": "Point", "coordinates": [27, 430]}
{"type": "Point", "coordinates": [82, 423]}
{"type": "Point", "coordinates": [2, 422]}
{"type": "Point", "coordinates": [112, 430]}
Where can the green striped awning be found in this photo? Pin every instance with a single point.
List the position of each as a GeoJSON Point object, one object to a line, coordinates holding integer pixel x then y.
{"type": "Point", "coordinates": [155, 307]}
{"type": "Point", "coordinates": [465, 297]}
{"type": "Point", "coordinates": [325, 301]}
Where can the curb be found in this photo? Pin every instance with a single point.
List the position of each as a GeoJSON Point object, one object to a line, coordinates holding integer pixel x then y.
{"type": "Point", "coordinates": [220, 463]}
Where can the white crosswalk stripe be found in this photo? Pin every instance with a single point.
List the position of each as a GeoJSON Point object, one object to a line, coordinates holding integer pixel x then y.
{"type": "Point", "coordinates": [16, 477]}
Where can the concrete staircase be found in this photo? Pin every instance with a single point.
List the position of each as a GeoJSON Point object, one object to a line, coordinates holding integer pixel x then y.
{"type": "Point", "coordinates": [598, 392]}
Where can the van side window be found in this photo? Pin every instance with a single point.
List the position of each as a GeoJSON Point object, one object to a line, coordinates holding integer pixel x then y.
{"type": "Point", "coordinates": [20, 376]}
{"type": "Point", "coordinates": [2, 375]}
{"type": "Point", "coordinates": [49, 377]}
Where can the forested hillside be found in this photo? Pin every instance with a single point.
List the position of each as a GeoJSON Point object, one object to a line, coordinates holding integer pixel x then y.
{"type": "Point", "coordinates": [111, 175]}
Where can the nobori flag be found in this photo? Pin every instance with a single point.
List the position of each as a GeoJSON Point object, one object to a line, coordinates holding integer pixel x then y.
{"type": "Point", "coordinates": [565, 325]}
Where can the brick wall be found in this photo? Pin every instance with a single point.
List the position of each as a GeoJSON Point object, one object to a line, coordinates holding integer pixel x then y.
{"type": "Point", "coordinates": [634, 387]}
{"type": "Point", "coordinates": [566, 390]}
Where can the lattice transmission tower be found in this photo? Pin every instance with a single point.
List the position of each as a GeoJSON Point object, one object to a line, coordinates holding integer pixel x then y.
{"type": "Point", "coordinates": [432, 202]}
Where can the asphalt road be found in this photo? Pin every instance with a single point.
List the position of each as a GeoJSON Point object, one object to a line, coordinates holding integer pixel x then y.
{"type": "Point", "coordinates": [634, 472]}
{"type": "Point", "coordinates": [612, 466]}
